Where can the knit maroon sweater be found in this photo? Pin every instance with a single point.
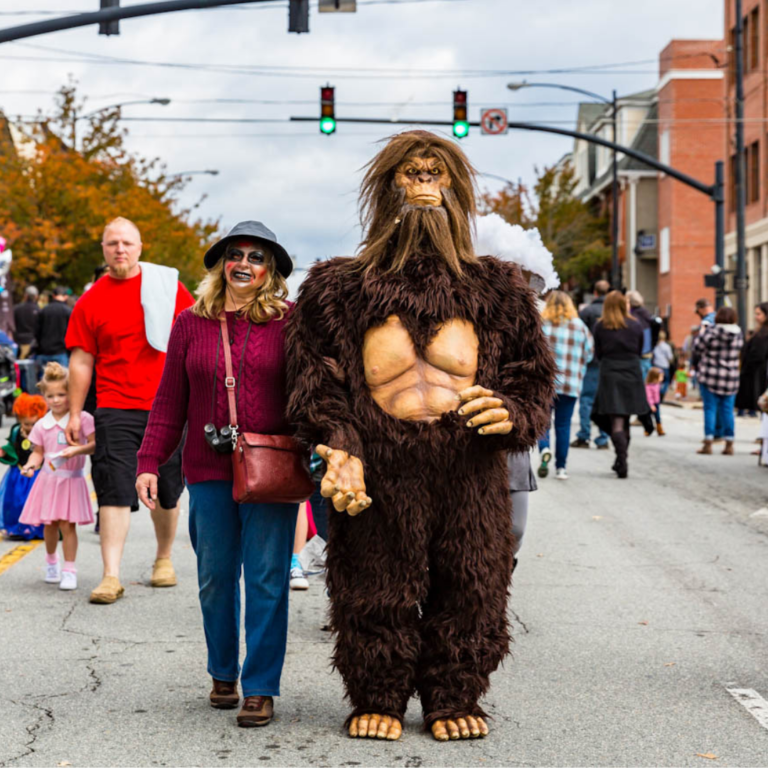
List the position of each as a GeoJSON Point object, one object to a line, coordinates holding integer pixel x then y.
{"type": "Point", "coordinates": [185, 395]}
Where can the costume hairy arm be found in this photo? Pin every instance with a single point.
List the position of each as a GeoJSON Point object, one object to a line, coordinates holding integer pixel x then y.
{"type": "Point", "coordinates": [524, 377]}
{"type": "Point", "coordinates": [319, 402]}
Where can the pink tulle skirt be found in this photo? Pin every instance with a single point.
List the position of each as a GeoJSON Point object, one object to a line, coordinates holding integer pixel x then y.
{"type": "Point", "coordinates": [58, 498]}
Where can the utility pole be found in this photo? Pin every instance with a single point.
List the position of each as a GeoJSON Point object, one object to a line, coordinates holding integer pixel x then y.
{"type": "Point", "coordinates": [615, 276]}
{"type": "Point", "coordinates": [740, 175]}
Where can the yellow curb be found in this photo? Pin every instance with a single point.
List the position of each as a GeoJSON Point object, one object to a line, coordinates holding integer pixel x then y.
{"type": "Point", "coordinates": [17, 553]}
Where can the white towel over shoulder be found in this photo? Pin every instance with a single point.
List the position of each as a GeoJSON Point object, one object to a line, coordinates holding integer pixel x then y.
{"type": "Point", "coordinates": [159, 286]}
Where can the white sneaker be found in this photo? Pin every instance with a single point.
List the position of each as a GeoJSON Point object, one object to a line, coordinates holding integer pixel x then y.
{"type": "Point", "coordinates": [561, 474]}
{"type": "Point", "coordinates": [52, 573]}
{"type": "Point", "coordinates": [68, 580]}
{"type": "Point", "coordinates": [298, 580]}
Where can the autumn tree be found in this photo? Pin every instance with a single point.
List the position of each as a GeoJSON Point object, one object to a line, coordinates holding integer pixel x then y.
{"type": "Point", "coordinates": [72, 176]}
{"type": "Point", "coordinates": [569, 228]}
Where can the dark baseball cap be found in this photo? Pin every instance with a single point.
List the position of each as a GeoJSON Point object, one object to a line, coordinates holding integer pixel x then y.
{"type": "Point", "coordinates": [256, 231]}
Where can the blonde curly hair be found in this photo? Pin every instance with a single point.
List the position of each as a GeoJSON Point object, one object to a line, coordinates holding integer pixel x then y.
{"type": "Point", "coordinates": [53, 373]}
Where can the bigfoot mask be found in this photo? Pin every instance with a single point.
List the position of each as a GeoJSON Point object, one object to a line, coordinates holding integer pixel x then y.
{"type": "Point", "coordinates": [423, 179]}
{"type": "Point", "coordinates": [418, 196]}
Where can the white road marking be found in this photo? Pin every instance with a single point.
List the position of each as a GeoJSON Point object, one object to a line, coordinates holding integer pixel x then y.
{"type": "Point", "coordinates": [753, 702]}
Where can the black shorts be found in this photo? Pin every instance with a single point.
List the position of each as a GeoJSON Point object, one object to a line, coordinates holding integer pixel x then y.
{"type": "Point", "coordinates": [118, 438]}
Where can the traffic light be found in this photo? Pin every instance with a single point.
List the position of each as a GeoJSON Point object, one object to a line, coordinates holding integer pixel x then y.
{"type": "Point", "coordinates": [460, 114]}
{"type": "Point", "coordinates": [298, 16]}
{"type": "Point", "coordinates": [109, 27]}
{"type": "Point", "coordinates": [327, 110]}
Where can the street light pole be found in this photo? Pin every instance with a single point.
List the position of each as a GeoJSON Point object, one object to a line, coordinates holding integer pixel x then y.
{"type": "Point", "coordinates": [615, 276]}
{"type": "Point", "coordinates": [740, 175]}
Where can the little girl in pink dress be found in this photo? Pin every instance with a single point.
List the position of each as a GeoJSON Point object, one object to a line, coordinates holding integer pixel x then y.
{"type": "Point", "coordinates": [59, 499]}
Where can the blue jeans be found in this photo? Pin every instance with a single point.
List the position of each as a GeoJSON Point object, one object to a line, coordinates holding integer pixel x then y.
{"type": "Point", "coordinates": [256, 539]}
{"type": "Point", "coordinates": [646, 363]}
{"type": "Point", "coordinates": [586, 400]}
{"type": "Point", "coordinates": [717, 409]}
{"type": "Point", "coordinates": [61, 359]}
{"type": "Point", "coordinates": [563, 407]}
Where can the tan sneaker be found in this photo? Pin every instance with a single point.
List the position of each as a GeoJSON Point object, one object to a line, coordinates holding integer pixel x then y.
{"type": "Point", "coordinates": [163, 574]}
{"type": "Point", "coordinates": [108, 591]}
{"type": "Point", "coordinates": [256, 711]}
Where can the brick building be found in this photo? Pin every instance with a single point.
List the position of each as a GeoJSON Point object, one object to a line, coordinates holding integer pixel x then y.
{"type": "Point", "coordinates": [666, 229]}
{"type": "Point", "coordinates": [756, 145]}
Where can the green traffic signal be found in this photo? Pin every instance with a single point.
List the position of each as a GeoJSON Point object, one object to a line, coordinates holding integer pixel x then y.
{"type": "Point", "coordinates": [327, 125]}
{"type": "Point", "coordinates": [460, 129]}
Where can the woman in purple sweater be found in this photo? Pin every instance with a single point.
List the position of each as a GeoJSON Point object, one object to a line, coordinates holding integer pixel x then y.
{"type": "Point", "coordinates": [246, 280]}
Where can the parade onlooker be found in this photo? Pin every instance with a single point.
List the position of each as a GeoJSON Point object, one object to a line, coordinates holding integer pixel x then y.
{"type": "Point", "coordinates": [589, 316]}
{"type": "Point", "coordinates": [621, 391]}
{"type": "Point", "coordinates": [298, 578]}
{"type": "Point", "coordinates": [121, 325]}
{"type": "Point", "coordinates": [718, 349]}
{"type": "Point", "coordinates": [753, 378]}
{"type": "Point", "coordinates": [59, 499]}
{"type": "Point", "coordinates": [15, 488]}
{"type": "Point", "coordinates": [51, 330]}
{"type": "Point", "coordinates": [571, 343]}
{"type": "Point", "coordinates": [25, 318]}
{"type": "Point", "coordinates": [705, 311]}
{"type": "Point", "coordinates": [653, 383]}
{"type": "Point", "coordinates": [245, 283]}
{"type": "Point", "coordinates": [522, 482]}
{"type": "Point", "coordinates": [643, 316]}
{"type": "Point", "coordinates": [664, 359]}
{"type": "Point", "coordinates": [681, 382]}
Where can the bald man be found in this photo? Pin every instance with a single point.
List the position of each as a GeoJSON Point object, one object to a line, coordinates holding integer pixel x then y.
{"type": "Point", "coordinates": [109, 328]}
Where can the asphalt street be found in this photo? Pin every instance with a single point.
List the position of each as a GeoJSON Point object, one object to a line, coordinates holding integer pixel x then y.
{"type": "Point", "coordinates": [637, 606]}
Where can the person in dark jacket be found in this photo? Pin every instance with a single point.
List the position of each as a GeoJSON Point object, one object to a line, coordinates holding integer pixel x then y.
{"type": "Point", "coordinates": [643, 316]}
{"type": "Point", "coordinates": [621, 389]}
{"type": "Point", "coordinates": [719, 349]}
{"type": "Point", "coordinates": [589, 316]}
{"type": "Point", "coordinates": [753, 380]}
{"type": "Point", "coordinates": [51, 330]}
{"type": "Point", "coordinates": [25, 317]}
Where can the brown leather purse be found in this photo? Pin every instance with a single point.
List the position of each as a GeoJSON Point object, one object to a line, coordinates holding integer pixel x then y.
{"type": "Point", "coordinates": [266, 468]}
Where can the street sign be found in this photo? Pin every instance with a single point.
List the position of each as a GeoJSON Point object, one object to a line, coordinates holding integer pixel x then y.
{"type": "Point", "coordinates": [493, 122]}
{"type": "Point", "coordinates": [332, 6]}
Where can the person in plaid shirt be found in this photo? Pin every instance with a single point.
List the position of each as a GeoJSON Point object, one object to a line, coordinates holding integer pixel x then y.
{"type": "Point", "coordinates": [573, 347]}
{"type": "Point", "coordinates": [718, 348]}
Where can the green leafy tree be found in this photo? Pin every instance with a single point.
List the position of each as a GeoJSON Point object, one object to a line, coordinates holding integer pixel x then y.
{"type": "Point", "coordinates": [73, 177]}
{"type": "Point", "coordinates": [569, 228]}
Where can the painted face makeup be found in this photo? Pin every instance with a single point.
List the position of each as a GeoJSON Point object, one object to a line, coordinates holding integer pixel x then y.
{"type": "Point", "coordinates": [246, 265]}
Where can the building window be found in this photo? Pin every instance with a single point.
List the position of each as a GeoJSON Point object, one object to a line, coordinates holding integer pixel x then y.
{"type": "Point", "coordinates": [732, 185]}
{"type": "Point", "coordinates": [752, 39]}
{"type": "Point", "coordinates": [664, 153]}
{"type": "Point", "coordinates": [753, 172]}
{"type": "Point", "coordinates": [664, 251]}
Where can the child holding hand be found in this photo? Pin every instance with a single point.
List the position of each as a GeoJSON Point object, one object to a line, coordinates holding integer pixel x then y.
{"type": "Point", "coordinates": [59, 498]}
{"type": "Point", "coordinates": [653, 382]}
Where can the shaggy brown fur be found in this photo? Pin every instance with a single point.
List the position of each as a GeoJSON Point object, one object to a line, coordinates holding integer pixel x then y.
{"type": "Point", "coordinates": [419, 581]}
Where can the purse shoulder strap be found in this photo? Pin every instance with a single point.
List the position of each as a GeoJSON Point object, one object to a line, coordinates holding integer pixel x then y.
{"type": "Point", "coordinates": [229, 381]}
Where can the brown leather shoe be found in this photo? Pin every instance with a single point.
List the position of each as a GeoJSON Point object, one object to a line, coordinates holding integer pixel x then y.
{"type": "Point", "coordinates": [108, 591]}
{"type": "Point", "coordinates": [728, 450]}
{"type": "Point", "coordinates": [706, 448]}
{"type": "Point", "coordinates": [224, 694]}
{"type": "Point", "coordinates": [256, 711]}
{"type": "Point", "coordinates": [163, 574]}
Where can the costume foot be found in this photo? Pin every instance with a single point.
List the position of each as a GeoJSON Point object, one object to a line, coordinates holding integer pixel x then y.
{"type": "Point", "coordinates": [460, 728]}
{"type": "Point", "coordinates": [375, 727]}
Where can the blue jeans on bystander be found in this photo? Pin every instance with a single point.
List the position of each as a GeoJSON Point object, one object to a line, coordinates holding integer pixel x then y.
{"type": "Point", "coordinates": [563, 407]}
{"type": "Point", "coordinates": [718, 414]}
{"type": "Point", "coordinates": [586, 400]}
{"type": "Point", "coordinates": [256, 539]}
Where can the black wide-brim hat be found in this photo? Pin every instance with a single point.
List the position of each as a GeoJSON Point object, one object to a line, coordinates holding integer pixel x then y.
{"type": "Point", "coordinates": [256, 231]}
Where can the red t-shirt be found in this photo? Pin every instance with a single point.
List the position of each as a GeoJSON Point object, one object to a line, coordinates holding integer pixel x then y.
{"type": "Point", "coordinates": [108, 322]}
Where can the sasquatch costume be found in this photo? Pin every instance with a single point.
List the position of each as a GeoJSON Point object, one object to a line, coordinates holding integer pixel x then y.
{"type": "Point", "coordinates": [379, 348]}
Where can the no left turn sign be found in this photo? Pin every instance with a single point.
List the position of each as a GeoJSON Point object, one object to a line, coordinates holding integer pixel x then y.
{"type": "Point", "coordinates": [493, 122]}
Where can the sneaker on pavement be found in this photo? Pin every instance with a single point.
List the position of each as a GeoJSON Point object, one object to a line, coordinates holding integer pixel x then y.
{"type": "Point", "coordinates": [68, 580]}
{"type": "Point", "coordinates": [163, 574]}
{"type": "Point", "coordinates": [546, 457]}
{"type": "Point", "coordinates": [52, 573]}
{"type": "Point", "coordinates": [298, 579]}
{"type": "Point", "coordinates": [561, 474]}
{"type": "Point", "coordinates": [579, 443]}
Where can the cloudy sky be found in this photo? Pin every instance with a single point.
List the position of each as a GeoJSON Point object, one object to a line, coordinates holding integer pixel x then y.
{"type": "Point", "coordinates": [392, 59]}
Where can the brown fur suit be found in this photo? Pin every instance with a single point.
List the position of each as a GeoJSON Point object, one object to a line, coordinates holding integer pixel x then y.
{"type": "Point", "coordinates": [418, 582]}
